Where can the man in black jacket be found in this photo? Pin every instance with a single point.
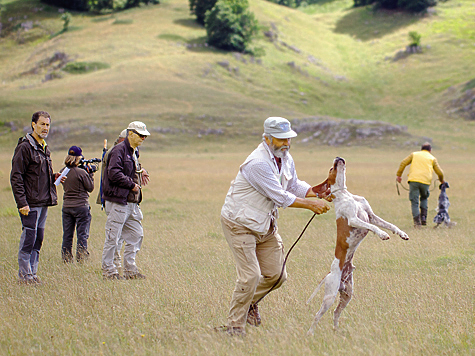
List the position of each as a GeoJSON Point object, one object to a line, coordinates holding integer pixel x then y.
{"type": "Point", "coordinates": [122, 193]}
{"type": "Point", "coordinates": [32, 180]}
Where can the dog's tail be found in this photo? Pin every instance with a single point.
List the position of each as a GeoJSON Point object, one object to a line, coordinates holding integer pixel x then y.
{"type": "Point", "coordinates": [316, 290]}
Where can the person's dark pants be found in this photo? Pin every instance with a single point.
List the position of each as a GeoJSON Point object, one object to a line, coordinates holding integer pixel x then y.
{"type": "Point", "coordinates": [78, 218]}
{"type": "Point", "coordinates": [418, 191]}
{"type": "Point", "coordinates": [31, 240]}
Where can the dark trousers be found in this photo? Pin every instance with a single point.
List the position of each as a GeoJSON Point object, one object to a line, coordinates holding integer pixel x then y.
{"type": "Point", "coordinates": [78, 218]}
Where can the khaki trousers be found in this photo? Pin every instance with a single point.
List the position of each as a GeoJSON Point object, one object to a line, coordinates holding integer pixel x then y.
{"type": "Point", "coordinates": [259, 260]}
{"type": "Point", "coordinates": [124, 223]}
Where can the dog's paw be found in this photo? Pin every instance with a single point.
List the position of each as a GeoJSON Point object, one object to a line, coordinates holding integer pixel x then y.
{"type": "Point", "coordinates": [403, 235]}
{"type": "Point", "coordinates": [383, 235]}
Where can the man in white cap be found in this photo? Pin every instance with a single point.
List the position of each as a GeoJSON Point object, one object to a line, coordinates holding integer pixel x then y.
{"type": "Point", "coordinates": [266, 181]}
{"type": "Point", "coordinates": [145, 178]}
{"type": "Point", "coordinates": [122, 194]}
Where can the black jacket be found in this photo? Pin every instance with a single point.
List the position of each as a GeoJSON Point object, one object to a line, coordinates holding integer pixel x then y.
{"type": "Point", "coordinates": [32, 177]}
{"type": "Point", "coordinates": [120, 175]}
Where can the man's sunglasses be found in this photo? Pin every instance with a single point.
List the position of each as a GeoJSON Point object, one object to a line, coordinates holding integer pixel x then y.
{"type": "Point", "coordinates": [139, 135]}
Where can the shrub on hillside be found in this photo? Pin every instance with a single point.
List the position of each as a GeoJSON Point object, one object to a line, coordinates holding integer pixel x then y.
{"type": "Point", "coordinates": [415, 39]}
{"type": "Point", "coordinates": [362, 2]}
{"type": "Point", "coordinates": [199, 8]}
{"type": "Point", "coordinates": [416, 5]}
{"type": "Point", "coordinates": [77, 5]}
{"type": "Point", "coordinates": [84, 67]}
{"type": "Point", "coordinates": [298, 3]}
{"type": "Point", "coordinates": [66, 17]}
{"type": "Point", "coordinates": [230, 25]}
{"type": "Point", "coordinates": [409, 5]}
{"type": "Point", "coordinates": [98, 5]}
{"type": "Point", "coordinates": [289, 3]}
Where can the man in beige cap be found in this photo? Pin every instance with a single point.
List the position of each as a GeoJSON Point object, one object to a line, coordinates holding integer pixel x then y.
{"type": "Point", "coordinates": [145, 178]}
{"type": "Point", "coordinates": [122, 194]}
{"type": "Point", "coordinates": [266, 181]}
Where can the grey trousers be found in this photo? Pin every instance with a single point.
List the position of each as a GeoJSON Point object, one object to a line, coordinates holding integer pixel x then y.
{"type": "Point", "coordinates": [123, 222]}
{"type": "Point", "coordinates": [259, 261]}
{"type": "Point", "coordinates": [31, 240]}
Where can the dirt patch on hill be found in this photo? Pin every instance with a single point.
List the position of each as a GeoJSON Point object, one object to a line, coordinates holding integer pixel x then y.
{"type": "Point", "coordinates": [351, 132]}
{"type": "Point", "coordinates": [462, 100]}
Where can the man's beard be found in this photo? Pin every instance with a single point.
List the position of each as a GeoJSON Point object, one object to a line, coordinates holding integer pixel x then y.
{"type": "Point", "coordinates": [278, 152]}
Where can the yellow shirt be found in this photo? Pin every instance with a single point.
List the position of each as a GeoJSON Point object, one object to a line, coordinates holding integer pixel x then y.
{"type": "Point", "coordinates": [43, 144]}
{"type": "Point", "coordinates": [423, 164]}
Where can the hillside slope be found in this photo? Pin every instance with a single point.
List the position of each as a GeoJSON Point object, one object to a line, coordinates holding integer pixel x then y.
{"type": "Point", "coordinates": [161, 71]}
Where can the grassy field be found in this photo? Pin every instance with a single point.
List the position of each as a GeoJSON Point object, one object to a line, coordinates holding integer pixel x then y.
{"type": "Point", "coordinates": [413, 297]}
{"type": "Point", "coordinates": [329, 60]}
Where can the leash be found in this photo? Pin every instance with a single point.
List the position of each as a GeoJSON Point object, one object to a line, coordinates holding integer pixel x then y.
{"type": "Point", "coordinates": [397, 187]}
{"type": "Point", "coordinates": [285, 259]}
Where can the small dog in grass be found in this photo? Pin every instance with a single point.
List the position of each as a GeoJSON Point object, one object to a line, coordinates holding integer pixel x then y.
{"type": "Point", "coordinates": [443, 207]}
{"type": "Point", "coordinates": [354, 219]}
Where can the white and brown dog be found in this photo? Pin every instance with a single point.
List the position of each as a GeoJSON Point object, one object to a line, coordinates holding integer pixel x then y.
{"type": "Point", "coordinates": [354, 218]}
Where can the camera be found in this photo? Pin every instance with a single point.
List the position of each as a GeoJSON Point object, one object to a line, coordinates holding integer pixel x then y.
{"type": "Point", "coordinates": [83, 163]}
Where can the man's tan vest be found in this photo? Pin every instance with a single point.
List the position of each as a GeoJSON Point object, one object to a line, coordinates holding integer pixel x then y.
{"type": "Point", "coordinates": [245, 205]}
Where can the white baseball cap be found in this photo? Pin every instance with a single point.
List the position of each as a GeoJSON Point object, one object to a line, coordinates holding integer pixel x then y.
{"type": "Point", "coordinates": [123, 133]}
{"type": "Point", "coordinates": [139, 127]}
{"type": "Point", "coordinates": [278, 127]}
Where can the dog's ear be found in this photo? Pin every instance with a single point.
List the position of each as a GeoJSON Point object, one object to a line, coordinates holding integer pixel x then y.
{"type": "Point", "coordinates": [321, 188]}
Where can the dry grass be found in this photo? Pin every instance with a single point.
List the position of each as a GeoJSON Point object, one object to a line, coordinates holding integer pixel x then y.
{"type": "Point", "coordinates": [412, 297]}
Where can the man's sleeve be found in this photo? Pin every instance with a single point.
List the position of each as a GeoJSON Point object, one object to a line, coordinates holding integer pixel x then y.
{"type": "Point", "coordinates": [19, 165]}
{"type": "Point", "coordinates": [403, 165]}
{"type": "Point", "coordinates": [438, 170]}
{"type": "Point", "coordinates": [260, 176]}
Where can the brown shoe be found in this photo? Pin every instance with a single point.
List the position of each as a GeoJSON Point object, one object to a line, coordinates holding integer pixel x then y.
{"type": "Point", "coordinates": [417, 221]}
{"type": "Point", "coordinates": [26, 281]}
{"type": "Point", "coordinates": [114, 276]}
{"type": "Point", "coordinates": [67, 256]}
{"type": "Point", "coordinates": [82, 254]}
{"type": "Point", "coordinates": [253, 316]}
{"type": "Point", "coordinates": [37, 280]}
{"type": "Point", "coordinates": [423, 217]}
{"type": "Point", "coordinates": [136, 275]}
{"type": "Point", "coordinates": [231, 330]}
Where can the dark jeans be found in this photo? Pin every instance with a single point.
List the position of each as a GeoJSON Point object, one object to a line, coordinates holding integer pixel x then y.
{"type": "Point", "coordinates": [79, 218]}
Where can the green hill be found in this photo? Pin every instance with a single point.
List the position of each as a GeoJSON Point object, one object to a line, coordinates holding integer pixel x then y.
{"type": "Point", "coordinates": [153, 64]}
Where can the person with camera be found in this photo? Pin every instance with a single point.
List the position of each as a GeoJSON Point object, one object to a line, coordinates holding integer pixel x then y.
{"type": "Point", "coordinates": [122, 192]}
{"type": "Point", "coordinates": [76, 209]}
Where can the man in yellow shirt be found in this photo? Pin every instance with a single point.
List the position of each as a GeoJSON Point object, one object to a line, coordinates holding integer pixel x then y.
{"type": "Point", "coordinates": [423, 164]}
